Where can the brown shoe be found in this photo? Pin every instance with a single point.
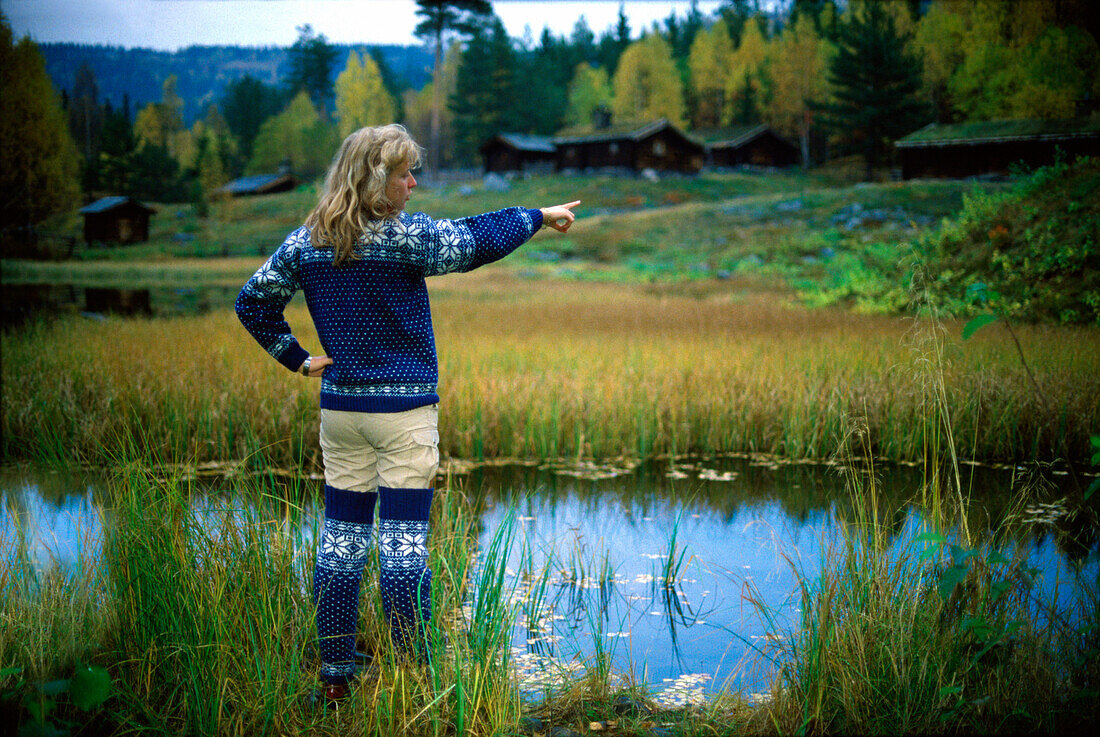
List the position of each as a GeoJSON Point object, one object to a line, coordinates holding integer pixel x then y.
{"type": "Point", "coordinates": [330, 695]}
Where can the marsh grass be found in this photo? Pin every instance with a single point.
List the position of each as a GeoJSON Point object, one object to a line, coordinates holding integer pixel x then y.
{"type": "Point", "coordinates": [199, 606]}
{"type": "Point", "coordinates": [941, 634]}
{"type": "Point", "coordinates": [934, 637]}
{"type": "Point", "coordinates": [537, 370]}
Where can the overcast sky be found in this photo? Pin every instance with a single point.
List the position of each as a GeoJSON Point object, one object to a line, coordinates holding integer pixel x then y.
{"type": "Point", "coordinates": [172, 24]}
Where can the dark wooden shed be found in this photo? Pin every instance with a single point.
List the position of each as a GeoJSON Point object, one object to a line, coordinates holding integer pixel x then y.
{"type": "Point", "coordinates": [993, 146]}
{"type": "Point", "coordinates": [658, 145]}
{"type": "Point", "coordinates": [518, 152]}
{"type": "Point", "coordinates": [748, 145]}
{"type": "Point", "coordinates": [116, 220]}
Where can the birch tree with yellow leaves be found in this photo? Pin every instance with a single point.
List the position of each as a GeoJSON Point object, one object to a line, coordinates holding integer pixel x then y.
{"type": "Point", "coordinates": [361, 96]}
{"type": "Point", "coordinates": [709, 63]}
{"type": "Point", "coordinates": [647, 84]}
{"type": "Point", "coordinates": [797, 64]}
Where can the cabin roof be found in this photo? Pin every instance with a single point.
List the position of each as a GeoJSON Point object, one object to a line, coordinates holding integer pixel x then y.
{"type": "Point", "coordinates": [105, 204]}
{"type": "Point", "coordinates": [618, 132]}
{"type": "Point", "coordinates": [254, 183]}
{"type": "Point", "coordinates": [526, 142]}
{"type": "Point", "coordinates": [733, 136]}
{"type": "Point", "coordinates": [997, 131]}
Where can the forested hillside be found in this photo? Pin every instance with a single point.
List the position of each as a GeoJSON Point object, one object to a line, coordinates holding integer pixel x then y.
{"type": "Point", "coordinates": [202, 72]}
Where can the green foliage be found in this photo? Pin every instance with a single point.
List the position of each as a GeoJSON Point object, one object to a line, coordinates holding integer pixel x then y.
{"type": "Point", "coordinates": [87, 691]}
{"type": "Point", "coordinates": [361, 96]}
{"type": "Point", "coordinates": [311, 63]}
{"type": "Point", "coordinates": [483, 102]}
{"type": "Point", "coordinates": [298, 135]}
{"type": "Point", "coordinates": [246, 104]}
{"type": "Point", "coordinates": [989, 61]}
{"type": "Point", "coordinates": [39, 163]}
{"type": "Point", "coordinates": [589, 91]}
{"type": "Point", "coordinates": [647, 84]}
{"type": "Point", "coordinates": [1031, 253]}
{"type": "Point", "coordinates": [874, 86]}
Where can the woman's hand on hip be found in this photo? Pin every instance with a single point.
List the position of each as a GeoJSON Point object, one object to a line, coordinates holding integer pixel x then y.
{"type": "Point", "coordinates": [317, 365]}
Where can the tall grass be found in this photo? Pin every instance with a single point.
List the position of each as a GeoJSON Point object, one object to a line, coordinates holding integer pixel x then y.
{"type": "Point", "coordinates": [945, 634]}
{"type": "Point", "coordinates": [536, 370]}
{"type": "Point", "coordinates": [199, 607]}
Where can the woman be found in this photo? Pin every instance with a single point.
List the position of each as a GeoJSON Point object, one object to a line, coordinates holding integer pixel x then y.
{"type": "Point", "coordinates": [361, 261]}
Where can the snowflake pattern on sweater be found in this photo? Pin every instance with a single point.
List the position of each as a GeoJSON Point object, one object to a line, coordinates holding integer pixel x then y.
{"type": "Point", "coordinates": [372, 313]}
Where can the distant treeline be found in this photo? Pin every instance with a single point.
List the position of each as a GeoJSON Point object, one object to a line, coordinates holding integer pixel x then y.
{"type": "Point", "coordinates": [202, 72]}
{"type": "Point", "coordinates": [837, 77]}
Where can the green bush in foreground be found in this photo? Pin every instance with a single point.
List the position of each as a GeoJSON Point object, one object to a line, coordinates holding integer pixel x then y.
{"type": "Point", "coordinates": [1036, 245]}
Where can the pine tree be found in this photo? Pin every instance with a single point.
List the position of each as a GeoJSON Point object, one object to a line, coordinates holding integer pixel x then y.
{"type": "Point", "coordinates": [246, 104]}
{"type": "Point", "coordinates": [311, 64]}
{"type": "Point", "coordinates": [39, 163]}
{"type": "Point", "coordinates": [614, 43]}
{"type": "Point", "coordinates": [85, 123]}
{"type": "Point", "coordinates": [117, 151]}
{"type": "Point", "coordinates": [439, 17]}
{"type": "Point", "coordinates": [484, 100]}
{"type": "Point", "coordinates": [874, 85]}
{"type": "Point", "coordinates": [543, 73]}
{"type": "Point", "coordinates": [583, 43]}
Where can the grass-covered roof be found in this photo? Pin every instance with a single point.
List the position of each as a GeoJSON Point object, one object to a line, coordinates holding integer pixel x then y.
{"type": "Point", "coordinates": [991, 131]}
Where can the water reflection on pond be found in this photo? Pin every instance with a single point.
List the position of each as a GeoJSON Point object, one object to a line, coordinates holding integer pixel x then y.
{"type": "Point", "coordinates": [732, 531]}
{"type": "Point", "coordinates": [20, 303]}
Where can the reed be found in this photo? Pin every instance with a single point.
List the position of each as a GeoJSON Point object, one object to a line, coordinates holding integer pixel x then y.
{"type": "Point", "coordinates": [199, 607]}
{"type": "Point", "coordinates": [536, 370]}
{"type": "Point", "coordinates": [936, 637]}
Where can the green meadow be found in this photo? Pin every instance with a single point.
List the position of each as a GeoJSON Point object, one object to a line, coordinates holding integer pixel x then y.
{"type": "Point", "coordinates": [796, 315]}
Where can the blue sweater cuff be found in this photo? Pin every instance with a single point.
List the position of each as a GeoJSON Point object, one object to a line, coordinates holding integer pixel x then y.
{"type": "Point", "coordinates": [293, 356]}
{"type": "Point", "coordinates": [536, 218]}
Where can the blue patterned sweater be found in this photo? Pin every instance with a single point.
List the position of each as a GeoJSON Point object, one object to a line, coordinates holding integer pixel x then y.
{"type": "Point", "coordinates": [372, 313]}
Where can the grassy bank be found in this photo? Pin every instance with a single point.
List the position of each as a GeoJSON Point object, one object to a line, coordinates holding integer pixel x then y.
{"type": "Point", "coordinates": [830, 239]}
{"type": "Point", "coordinates": [944, 636]}
{"type": "Point", "coordinates": [196, 619]}
{"type": "Point", "coordinates": [541, 370]}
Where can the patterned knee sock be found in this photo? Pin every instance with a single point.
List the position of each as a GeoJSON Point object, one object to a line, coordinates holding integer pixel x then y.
{"type": "Point", "coordinates": [341, 556]}
{"type": "Point", "coordinates": [405, 580]}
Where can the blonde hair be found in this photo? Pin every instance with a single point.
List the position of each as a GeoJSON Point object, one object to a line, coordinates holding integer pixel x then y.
{"type": "Point", "coordinates": [354, 201]}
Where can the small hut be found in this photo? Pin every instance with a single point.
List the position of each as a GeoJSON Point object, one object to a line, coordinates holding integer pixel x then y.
{"type": "Point", "coordinates": [518, 152]}
{"type": "Point", "coordinates": [993, 146]}
{"type": "Point", "coordinates": [749, 145]}
{"type": "Point", "coordinates": [658, 145]}
{"type": "Point", "coordinates": [116, 220]}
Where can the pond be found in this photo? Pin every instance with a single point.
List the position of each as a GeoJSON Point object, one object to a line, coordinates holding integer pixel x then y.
{"type": "Point", "coordinates": [20, 303]}
{"type": "Point", "coordinates": [665, 566]}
